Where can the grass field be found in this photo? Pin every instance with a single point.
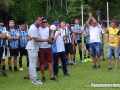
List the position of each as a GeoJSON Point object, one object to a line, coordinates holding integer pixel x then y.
{"type": "Point", "coordinates": [81, 77]}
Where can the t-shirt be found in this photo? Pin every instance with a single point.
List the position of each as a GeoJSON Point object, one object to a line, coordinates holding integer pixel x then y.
{"type": "Point", "coordinates": [113, 33]}
{"type": "Point", "coordinates": [87, 39]}
{"type": "Point", "coordinates": [58, 45]}
{"type": "Point", "coordinates": [23, 38]}
{"type": "Point", "coordinates": [33, 33]}
{"type": "Point", "coordinates": [95, 33]}
{"type": "Point", "coordinates": [77, 28]}
{"type": "Point", "coordinates": [47, 26]}
{"type": "Point", "coordinates": [44, 34]}
{"type": "Point", "coordinates": [14, 43]}
{"type": "Point", "coordinates": [2, 30]}
{"type": "Point", "coordinates": [102, 32]}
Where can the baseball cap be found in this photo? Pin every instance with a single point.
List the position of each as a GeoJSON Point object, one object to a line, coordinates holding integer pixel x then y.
{"type": "Point", "coordinates": [56, 23]}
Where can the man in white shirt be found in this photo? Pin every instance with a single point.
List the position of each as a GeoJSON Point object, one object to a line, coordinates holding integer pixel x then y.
{"type": "Point", "coordinates": [95, 46]}
{"type": "Point", "coordinates": [58, 49]}
{"type": "Point", "coordinates": [33, 48]}
{"type": "Point", "coordinates": [45, 51]}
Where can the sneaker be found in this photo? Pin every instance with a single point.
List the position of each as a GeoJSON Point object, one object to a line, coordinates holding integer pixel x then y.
{"type": "Point", "coordinates": [72, 65]}
{"type": "Point", "coordinates": [6, 70]}
{"type": "Point", "coordinates": [66, 74]}
{"type": "Point", "coordinates": [99, 68]}
{"type": "Point", "coordinates": [21, 69]}
{"type": "Point", "coordinates": [68, 64]}
{"type": "Point", "coordinates": [89, 59]}
{"type": "Point", "coordinates": [93, 67]}
{"type": "Point", "coordinates": [85, 60]}
{"type": "Point", "coordinates": [53, 79]}
{"type": "Point", "coordinates": [55, 75]}
{"type": "Point", "coordinates": [16, 70]}
{"type": "Point", "coordinates": [60, 67]}
{"type": "Point", "coordinates": [115, 69]}
{"type": "Point", "coordinates": [82, 61]}
{"type": "Point", "coordinates": [4, 74]}
{"type": "Point", "coordinates": [108, 68]}
{"type": "Point", "coordinates": [37, 82]}
{"type": "Point", "coordinates": [74, 62]}
{"type": "Point", "coordinates": [103, 59]}
{"type": "Point", "coordinates": [10, 70]}
{"type": "Point", "coordinates": [0, 69]}
{"type": "Point", "coordinates": [43, 79]}
{"type": "Point", "coordinates": [37, 69]}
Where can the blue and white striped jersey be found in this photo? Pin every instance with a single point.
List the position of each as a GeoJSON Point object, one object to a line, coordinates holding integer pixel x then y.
{"type": "Point", "coordinates": [87, 39]}
{"type": "Point", "coordinates": [2, 30]}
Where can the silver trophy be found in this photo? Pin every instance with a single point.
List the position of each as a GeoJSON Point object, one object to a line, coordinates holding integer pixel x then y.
{"type": "Point", "coordinates": [52, 33]}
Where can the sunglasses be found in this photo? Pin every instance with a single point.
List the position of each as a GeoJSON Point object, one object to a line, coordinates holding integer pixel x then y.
{"type": "Point", "coordinates": [44, 22]}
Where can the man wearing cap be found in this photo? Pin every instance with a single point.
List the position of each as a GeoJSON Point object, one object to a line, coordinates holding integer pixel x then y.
{"type": "Point", "coordinates": [58, 49]}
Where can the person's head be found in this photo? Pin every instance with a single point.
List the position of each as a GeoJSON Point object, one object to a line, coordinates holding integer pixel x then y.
{"type": "Point", "coordinates": [11, 23]}
{"type": "Point", "coordinates": [63, 24]}
{"type": "Point", "coordinates": [38, 20]}
{"type": "Point", "coordinates": [114, 23]}
{"type": "Point", "coordinates": [56, 23]}
{"type": "Point", "coordinates": [76, 21]}
{"type": "Point", "coordinates": [44, 22]}
{"type": "Point", "coordinates": [22, 26]}
{"type": "Point", "coordinates": [93, 23]}
{"type": "Point", "coordinates": [1, 23]}
{"type": "Point", "coordinates": [68, 24]}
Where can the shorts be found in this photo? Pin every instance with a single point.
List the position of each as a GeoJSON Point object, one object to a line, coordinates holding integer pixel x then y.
{"type": "Point", "coordinates": [111, 50]}
{"type": "Point", "coordinates": [101, 46]}
{"type": "Point", "coordinates": [13, 52]}
{"type": "Point", "coordinates": [78, 42]}
{"type": "Point", "coordinates": [2, 52]}
{"type": "Point", "coordinates": [5, 51]}
{"type": "Point", "coordinates": [45, 54]}
{"type": "Point", "coordinates": [69, 48]}
{"type": "Point", "coordinates": [22, 52]}
{"type": "Point", "coordinates": [95, 49]}
{"type": "Point", "coordinates": [86, 46]}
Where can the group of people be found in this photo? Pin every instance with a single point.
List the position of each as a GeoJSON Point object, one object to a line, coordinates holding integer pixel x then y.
{"type": "Point", "coordinates": [34, 44]}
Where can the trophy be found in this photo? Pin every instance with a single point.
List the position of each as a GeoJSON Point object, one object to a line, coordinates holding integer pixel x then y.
{"type": "Point", "coordinates": [52, 33]}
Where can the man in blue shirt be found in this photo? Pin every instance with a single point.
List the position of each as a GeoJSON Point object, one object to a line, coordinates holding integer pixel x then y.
{"type": "Point", "coordinates": [22, 45]}
{"type": "Point", "coordinates": [13, 37]}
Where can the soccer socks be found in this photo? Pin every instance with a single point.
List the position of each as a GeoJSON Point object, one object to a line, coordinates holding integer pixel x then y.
{"type": "Point", "coordinates": [20, 63]}
{"type": "Point", "coordinates": [88, 55]}
{"type": "Point", "coordinates": [84, 56]}
{"type": "Point", "coordinates": [27, 64]}
{"type": "Point", "coordinates": [10, 68]}
{"type": "Point", "coordinates": [80, 52]}
{"type": "Point", "coordinates": [3, 68]}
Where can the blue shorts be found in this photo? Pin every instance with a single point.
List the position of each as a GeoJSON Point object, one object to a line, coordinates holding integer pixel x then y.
{"type": "Point", "coordinates": [110, 51]}
{"type": "Point", "coordinates": [95, 49]}
{"type": "Point", "coordinates": [101, 46]}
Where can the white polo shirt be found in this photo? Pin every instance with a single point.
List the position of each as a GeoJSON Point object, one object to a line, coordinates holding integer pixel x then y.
{"type": "Point", "coordinates": [95, 33]}
{"type": "Point", "coordinates": [44, 34]}
{"type": "Point", "coordinates": [33, 33]}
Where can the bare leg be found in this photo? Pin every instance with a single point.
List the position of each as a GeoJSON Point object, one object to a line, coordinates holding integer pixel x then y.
{"type": "Point", "coordinates": [116, 63]}
{"type": "Point", "coordinates": [51, 69]}
{"type": "Point", "coordinates": [98, 58]}
{"type": "Point", "coordinates": [109, 62]}
{"type": "Point", "coordinates": [15, 61]}
{"type": "Point", "coordinates": [42, 69]}
{"type": "Point", "coordinates": [94, 60]}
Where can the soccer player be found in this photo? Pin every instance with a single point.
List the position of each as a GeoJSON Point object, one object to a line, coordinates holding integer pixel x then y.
{"type": "Point", "coordinates": [45, 51]}
{"type": "Point", "coordinates": [22, 45]}
{"type": "Point", "coordinates": [113, 42]}
{"type": "Point", "coordinates": [95, 46]}
{"type": "Point", "coordinates": [86, 44]}
{"type": "Point", "coordinates": [13, 37]}
{"type": "Point", "coordinates": [2, 47]}
{"type": "Point", "coordinates": [58, 49]}
{"type": "Point", "coordinates": [78, 40]}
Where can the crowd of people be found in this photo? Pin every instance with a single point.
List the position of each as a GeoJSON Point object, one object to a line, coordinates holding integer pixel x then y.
{"type": "Point", "coordinates": [34, 44]}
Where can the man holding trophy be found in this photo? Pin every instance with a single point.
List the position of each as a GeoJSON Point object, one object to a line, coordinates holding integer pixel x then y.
{"type": "Point", "coordinates": [45, 50]}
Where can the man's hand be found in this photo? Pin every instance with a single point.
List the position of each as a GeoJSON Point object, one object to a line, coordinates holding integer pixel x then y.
{"type": "Point", "coordinates": [90, 15]}
{"type": "Point", "coordinates": [59, 32]}
{"type": "Point", "coordinates": [29, 38]}
{"type": "Point", "coordinates": [48, 39]}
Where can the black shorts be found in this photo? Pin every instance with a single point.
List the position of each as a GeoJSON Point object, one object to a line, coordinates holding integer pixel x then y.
{"type": "Point", "coordinates": [13, 52]}
{"type": "Point", "coordinates": [22, 52]}
{"type": "Point", "coordinates": [6, 51]}
{"type": "Point", "coordinates": [69, 48]}
{"type": "Point", "coordinates": [78, 41]}
{"type": "Point", "coordinates": [1, 52]}
{"type": "Point", "coordinates": [86, 46]}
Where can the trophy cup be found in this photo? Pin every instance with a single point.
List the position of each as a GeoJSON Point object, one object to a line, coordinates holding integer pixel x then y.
{"type": "Point", "coordinates": [51, 33]}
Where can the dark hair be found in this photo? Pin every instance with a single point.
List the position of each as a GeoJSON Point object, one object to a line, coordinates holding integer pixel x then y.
{"type": "Point", "coordinates": [22, 24]}
{"type": "Point", "coordinates": [114, 21]}
{"type": "Point", "coordinates": [68, 22]}
{"type": "Point", "coordinates": [12, 21]}
{"type": "Point", "coordinates": [1, 21]}
{"type": "Point", "coordinates": [76, 18]}
{"type": "Point", "coordinates": [44, 18]}
{"type": "Point", "coordinates": [36, 18]}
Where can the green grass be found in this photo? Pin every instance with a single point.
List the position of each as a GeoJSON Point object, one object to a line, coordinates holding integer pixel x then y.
{"type": "Point", "coordinates": [81, 77]}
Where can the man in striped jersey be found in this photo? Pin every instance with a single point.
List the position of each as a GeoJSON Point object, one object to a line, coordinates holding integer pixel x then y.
{"type": "Point", "coordinates": [78, 34]}
{"type": "Point", "coordinates": [13, 37]}
{"type": "Point", "coordinates": [2, 48]}
{"type": "Point", "coordinates": [22, 45]}
{"type": "Point", "coordinates": [68, 42]}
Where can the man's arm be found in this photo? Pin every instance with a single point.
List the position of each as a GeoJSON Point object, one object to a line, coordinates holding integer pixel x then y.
{"type": "Point", "coordinates": [42, 40]}
{"type": "Point", "coordinates": [107, 38]}
{"type": "Point", "coordinates": [57, 35]}
{"type": "Point", "coordinates": [80, 32]}
{"type": "Point", "coordinates": [103, 38]}
{"type": "Point", "coordinates": [86, 35]}
{"type": "Point", "coordinates": [3, 36]}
